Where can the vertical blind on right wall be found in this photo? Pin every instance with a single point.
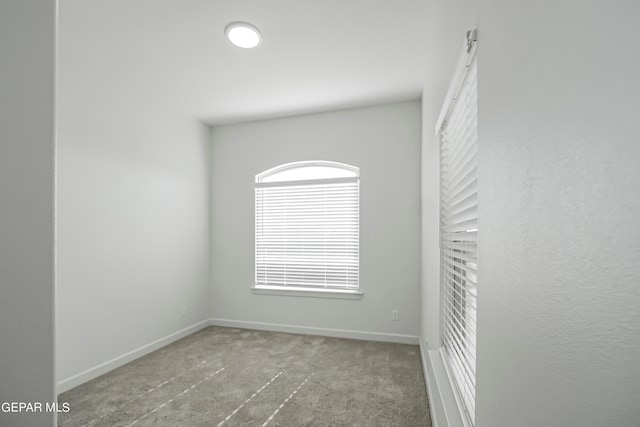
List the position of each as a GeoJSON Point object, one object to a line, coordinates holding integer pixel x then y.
{"type": "Point", "coordinates": [459, 233]}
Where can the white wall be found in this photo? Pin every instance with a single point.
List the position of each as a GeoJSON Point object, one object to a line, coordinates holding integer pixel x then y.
{"type": "Point", "coordinates": [27, 42]}
{"type": "Point", "coordinates": [558, 316]}
{"type": "Point", "coordinates": [384, 141]}
{"type": "Point", "coordinates": [133, 213]}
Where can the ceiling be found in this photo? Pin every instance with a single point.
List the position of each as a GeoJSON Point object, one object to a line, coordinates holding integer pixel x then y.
{"type": "Point", "coordinates": [315, 55]}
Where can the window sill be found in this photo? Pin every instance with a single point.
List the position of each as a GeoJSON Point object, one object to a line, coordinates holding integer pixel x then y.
{"type": "Point", "coordinates": [306, 292]}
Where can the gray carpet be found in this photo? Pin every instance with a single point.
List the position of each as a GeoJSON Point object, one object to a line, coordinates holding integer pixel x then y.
{"type": "Point", "coordinates": [237, 377]}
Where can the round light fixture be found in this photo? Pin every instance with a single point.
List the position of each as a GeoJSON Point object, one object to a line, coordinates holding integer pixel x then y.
{"type": "Point", "coordinates": [243, 35]}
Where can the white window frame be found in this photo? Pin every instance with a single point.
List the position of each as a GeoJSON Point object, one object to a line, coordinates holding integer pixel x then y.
{"type": "Point", "coordinates": [456, 131]}
{"type": "Point", "coordinates": [334, 194]}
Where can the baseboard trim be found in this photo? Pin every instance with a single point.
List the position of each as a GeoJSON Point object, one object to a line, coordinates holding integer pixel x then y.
{"type": "Point", "coordinates": [326, 332]}
{"type": "Point", "coordinates": [442, 402]}
{"type": "Point", "coordinates": [101, 369]}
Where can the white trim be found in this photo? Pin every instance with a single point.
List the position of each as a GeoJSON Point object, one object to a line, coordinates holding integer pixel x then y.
{"type": "Point", "coordinates": [436, 408]}
{"type": "Point", "coordinates": [319, 181]}
{"type": "Point", "coordinates": [291, 291]}
{"type": "Point", "coordinates": [325, 332]}
{"type": "Point", "coordinates": [306, 163]}
{"type": "Point", "coordinates": [442, 401]}
{"type": "Point", "coordinates": [462, 65]}
{"type": "Point", "coordinates": [101, 369]}
{"type": "Point", "coordinates": [459, 404]}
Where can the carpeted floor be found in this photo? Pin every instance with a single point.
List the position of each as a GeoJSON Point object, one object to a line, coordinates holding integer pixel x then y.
{"type": "Point", "coordinates": [237, 377]}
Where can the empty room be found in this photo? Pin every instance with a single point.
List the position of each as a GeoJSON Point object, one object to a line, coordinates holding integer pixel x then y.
{"type": "Point", "coordinates": [407, 213]}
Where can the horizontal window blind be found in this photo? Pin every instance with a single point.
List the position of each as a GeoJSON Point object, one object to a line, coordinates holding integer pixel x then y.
{"type": "Point", "coordinates": [458, 241]}
{"type": "Point", "coordinates": [307, 234]}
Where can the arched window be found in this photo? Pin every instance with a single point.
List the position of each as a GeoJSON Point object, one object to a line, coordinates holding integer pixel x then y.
{"type": "Point", "coordinates": [307, 227]}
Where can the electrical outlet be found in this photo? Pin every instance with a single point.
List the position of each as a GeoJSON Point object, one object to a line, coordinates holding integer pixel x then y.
{"type": "Point", "coordinates": [395, 315]}
{"type": "Point", "coordinates": [183, 312]}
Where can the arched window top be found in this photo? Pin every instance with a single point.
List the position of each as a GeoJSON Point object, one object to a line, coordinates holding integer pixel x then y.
{"type": "Point", "coordinates": [308, 171]}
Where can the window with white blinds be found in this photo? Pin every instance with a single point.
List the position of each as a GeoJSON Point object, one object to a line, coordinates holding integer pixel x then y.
{"type": "Point", "coordinates": [307, 227]}
{"type": "Point", "coordinates": [458, 238]}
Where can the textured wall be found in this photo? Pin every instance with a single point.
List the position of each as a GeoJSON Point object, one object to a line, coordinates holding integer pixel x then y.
{"type": "Point", "coordinates": [558, 319]}
{"type": "Point", "coordinates": [558, 316]}
{"type": "Point", "coordinates": [384, 141]}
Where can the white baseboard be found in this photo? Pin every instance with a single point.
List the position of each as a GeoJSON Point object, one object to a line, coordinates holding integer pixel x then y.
{"type": "Point", "coordinates": [103, 368]}
{"type": "Point", "coordinates": [442, 402]}
{"type": "Point", "coordinates": [326, 332]}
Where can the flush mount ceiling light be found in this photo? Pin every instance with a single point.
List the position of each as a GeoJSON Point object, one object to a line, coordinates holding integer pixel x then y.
{"type": "Point", "coordinates": [243, 35]}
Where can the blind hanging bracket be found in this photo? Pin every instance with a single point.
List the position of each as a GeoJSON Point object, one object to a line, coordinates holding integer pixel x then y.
{"type": "Point", "coordinates": [464, 59]}
{"type": "Point", "coordinates": [472, 38]}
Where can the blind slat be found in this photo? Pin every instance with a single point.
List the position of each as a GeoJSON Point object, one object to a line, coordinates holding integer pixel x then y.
{"type": "Point", "coordinates": [307, 233]}
{"type": "Point", "coordinates": [459, 239]}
